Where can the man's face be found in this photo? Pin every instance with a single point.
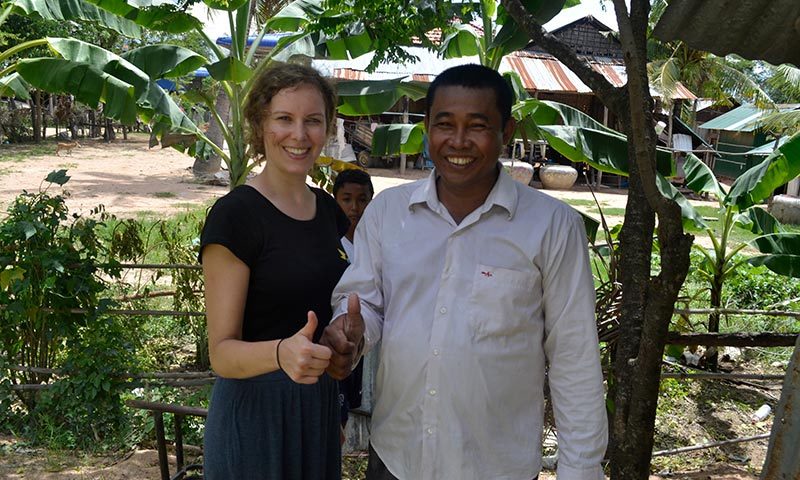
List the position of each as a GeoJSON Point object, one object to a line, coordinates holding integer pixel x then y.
{"type": "Point", "coordinates": [466, 136]}
{"type": "Point", "coordinates": [353, 199]}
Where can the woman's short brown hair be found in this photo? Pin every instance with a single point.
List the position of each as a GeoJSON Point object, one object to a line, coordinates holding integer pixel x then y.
{"type": "Point", "coordinates": [271, 81]}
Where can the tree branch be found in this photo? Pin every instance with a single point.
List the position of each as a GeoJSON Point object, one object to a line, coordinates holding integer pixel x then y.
{"type": "Point", "coordinates": [608, 93]}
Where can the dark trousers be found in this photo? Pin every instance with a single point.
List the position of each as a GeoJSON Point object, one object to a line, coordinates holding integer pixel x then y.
{"type": "Point", "coordinates": [376, 470]}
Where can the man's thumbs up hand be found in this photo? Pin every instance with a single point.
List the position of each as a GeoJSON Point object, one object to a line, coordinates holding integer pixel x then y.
{"type": "Point", "coordinates": [345, 337]}
{"type": "Point", "coordinates": [299, 357]}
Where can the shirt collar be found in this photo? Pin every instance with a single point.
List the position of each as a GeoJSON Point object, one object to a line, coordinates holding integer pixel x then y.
{"type": "Point", "coordinates": [503, 194]}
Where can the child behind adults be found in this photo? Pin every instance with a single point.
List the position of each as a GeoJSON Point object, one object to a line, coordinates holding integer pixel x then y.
{"type": "Point", "coordinates": [353, 191]}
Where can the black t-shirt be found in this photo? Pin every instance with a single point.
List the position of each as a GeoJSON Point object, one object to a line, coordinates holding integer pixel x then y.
{"type": "Point", "coordinates": [294, 264]}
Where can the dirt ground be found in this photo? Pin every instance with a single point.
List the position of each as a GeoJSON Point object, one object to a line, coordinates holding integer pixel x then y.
{"type": "Point", "coordinates": [128, 178]}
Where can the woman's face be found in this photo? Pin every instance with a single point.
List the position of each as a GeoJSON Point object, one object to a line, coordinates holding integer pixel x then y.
{"type": "Point", "coordinates": [294, 129]}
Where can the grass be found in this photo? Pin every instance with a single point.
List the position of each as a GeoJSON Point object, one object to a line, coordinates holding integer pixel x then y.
{"type": "Point", "coordinates": [164, 195]}
{"type": "Point", "coordinates": [21, 152]}
{"type": "Point", "coordinates": [68, 165]}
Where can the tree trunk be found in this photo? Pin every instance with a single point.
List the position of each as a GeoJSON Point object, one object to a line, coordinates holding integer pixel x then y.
{"type": "Point", "coordinates": [711, 354]}
{"type": "Point", "coordinates": [36, 116]}
{"type": "Point", "coordinates": [109, 135]}
{"type": "Point", "coordinates": [781, 463]}
{"type": "Point", "coordinates": [206, 166]}
{"type": "Point", "coordinates": [647, 301]}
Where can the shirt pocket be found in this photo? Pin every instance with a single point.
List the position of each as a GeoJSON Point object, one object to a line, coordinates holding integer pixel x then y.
{"type": "Point", "coordinates": [502, 301]}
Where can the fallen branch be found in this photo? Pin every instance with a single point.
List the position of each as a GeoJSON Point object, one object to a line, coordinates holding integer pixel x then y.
{"type": "Point", "coordinates": [703, 446]}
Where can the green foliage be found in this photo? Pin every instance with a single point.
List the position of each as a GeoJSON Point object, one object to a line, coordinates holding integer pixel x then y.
{"type": "Point", "coordinates": [85, 408]}
{"type": "Point", "coordinates": [49, 266]}
{"type": "Point", "coordinates": [757, 288]}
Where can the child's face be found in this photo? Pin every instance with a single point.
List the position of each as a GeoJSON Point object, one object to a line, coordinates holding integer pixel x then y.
{"type": "Point", "coordinates": [353, 199]}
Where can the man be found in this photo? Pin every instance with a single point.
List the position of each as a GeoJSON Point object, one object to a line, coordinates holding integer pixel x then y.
{"type": "Point", "coordinates": [473, 282]}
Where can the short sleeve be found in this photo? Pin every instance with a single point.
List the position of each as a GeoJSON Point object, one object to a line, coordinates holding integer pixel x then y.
{"type": "Point", "coordinates": [228, 224]}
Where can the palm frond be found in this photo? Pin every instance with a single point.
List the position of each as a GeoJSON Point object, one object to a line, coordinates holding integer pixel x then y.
{"type": "Point", "coordinates": [739, 84]}
{"type": "Point", "coordinates": [786, 79]}
{"type": "Point", "coordinates": [784, 123]}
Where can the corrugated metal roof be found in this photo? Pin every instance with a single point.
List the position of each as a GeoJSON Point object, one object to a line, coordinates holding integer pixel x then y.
{"type": "Point", "coordinates": [538, 72]}
{"type": "Point", "coordinates": [742, 119]}
{"type": "Point", "coordinates": [545, 73]}
{"type": "Point", "coordinates": [754, 29]}
{"type": "Point", "coordinates": [767, 148]}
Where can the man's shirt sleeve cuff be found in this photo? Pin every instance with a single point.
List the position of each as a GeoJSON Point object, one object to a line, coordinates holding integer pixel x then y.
{"type": "Point", "coordinates": [567, 472]}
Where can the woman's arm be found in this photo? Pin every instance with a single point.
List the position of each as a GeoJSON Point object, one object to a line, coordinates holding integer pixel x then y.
{"type": "Point", "coordinates": [226, 279]}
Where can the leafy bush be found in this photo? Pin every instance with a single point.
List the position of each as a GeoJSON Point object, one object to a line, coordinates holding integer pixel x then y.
{"type": "Point", "coordinates": [85, 407]}
{"type": "Point", "coordinates": [48, 268]}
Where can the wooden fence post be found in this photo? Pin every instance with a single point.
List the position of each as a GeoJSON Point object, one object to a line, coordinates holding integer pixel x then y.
{"type": "Point", "coordinates": [782, 460]}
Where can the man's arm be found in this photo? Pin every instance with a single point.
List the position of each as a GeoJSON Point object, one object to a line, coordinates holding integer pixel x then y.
{"type": "Point", "coordinates": [363, 278]}
{"type": "Point", "coordinates": [572, 350]}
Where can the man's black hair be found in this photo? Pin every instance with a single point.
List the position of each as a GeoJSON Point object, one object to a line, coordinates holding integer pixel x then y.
{"type": "Point", "coordinates": [353, 176]}
{"type": "Point", "coordinates": [475, 76]}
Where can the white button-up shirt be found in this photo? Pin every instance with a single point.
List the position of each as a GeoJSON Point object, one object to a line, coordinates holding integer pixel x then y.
{"type": "Point", "coordinates": [468, 315]}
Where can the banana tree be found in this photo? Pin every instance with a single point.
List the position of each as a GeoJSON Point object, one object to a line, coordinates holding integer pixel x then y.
{"type": "Point", "coordinates": [738, 207]}
{"type": "Point", "coordinates": [126, 84]}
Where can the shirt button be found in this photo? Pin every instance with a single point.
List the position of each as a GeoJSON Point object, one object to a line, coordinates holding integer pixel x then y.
{"type": "Point", "coordinates": [443, 310]}
{"type": "Point", "coordinates": [432, 392]}
{"type": "Point", "coordinates": [429, 430]}
{"type": "Point", "coordinates": [435, 352]}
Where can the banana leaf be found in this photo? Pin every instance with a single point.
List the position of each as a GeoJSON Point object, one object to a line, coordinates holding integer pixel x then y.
{"type": "Point", "coordinates": [165, 61]}
{"type": "Point", "coordinates": [602, 150]}
{"type": "Point", "coordinates": [163, 17]}
{"type": "Point", "coordinates": [758, 221]}
{"type": "Point", "coordinates": [296, 15]}
{"type": "Point", "coordinates": [700, 179]}
{"type": "Point", "coordinates": [63, 10]}
{"type": "Point", "coordinates": [228, 5]}
{"type": "Point", "coordinates": [89, 84]}
{"type": "Point", "coordinates": [398, 138]}
{"type": "Point", "coordinates": [781, 253]}
{"type": "Point", "coordinates": [14, 86]}
{"type": "Point", "coordinates": [230, 69]}
{"type": "Point", "coordinates": [758, 183]}
{"type": "Point", "coordinates": [367, 97]}
{"type": "Point", "coordinates": [689, 214]}
{"type": "Point", "coordinates": [462, 42]}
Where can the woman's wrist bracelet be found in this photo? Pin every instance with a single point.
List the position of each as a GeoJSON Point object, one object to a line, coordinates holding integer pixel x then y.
{"type": "Point", "coordinates": [278, 353]}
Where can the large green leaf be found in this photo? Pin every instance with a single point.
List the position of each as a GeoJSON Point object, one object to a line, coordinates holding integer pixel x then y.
{"type": "Point", "coordinates": [758, 221]}
{"type": "Point", "coordinates": [700, 178]}
{"type": "Point", "coordinates": [689, 214]}
{"type": "Point", "coordinates": [351, 44]}
{"type": "Point", "coordinates": [229, 5]}
{"type": "Point", "coordinates": [591, 225]}
{"type": "Point", "coordinates": [295, 16]}
{"type": "Point", "coordinates": [542, 10]}
{"type": "Point", "coordinates": [230, 69]}
{"type": "Point", "coordinates": [88, 83]}
{"type": "Point", "coordinates": [602, 150]}
{"type": "Point", "coordinates": [782, 253]}
{"type": "Point", "coordinates": [462, 42]}
{"type": "Point", "coordinates": [64, 10]}
{"type": "Point", "coordinates": [510, 38]}
{"type": "Point", "coordinates": [163, 17]}
{"type": "Point", "coordinates": [165, 61]}
{"type": "Point", "coordinates": [367, 97]}
{"type": "Point", "coordinates": [758, 183]}
{"type": "Point", "coordinates": [14, 86]}
{"type": "Point", "coordinates": [398, 138]}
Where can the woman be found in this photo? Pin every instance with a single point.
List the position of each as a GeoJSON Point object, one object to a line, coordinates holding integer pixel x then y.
{"type": "Point", "coordinates": [271, 257]}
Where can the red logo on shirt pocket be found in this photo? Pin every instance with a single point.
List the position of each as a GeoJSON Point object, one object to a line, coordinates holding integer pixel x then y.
{"type": "Point", "coordinates": [486, 273]}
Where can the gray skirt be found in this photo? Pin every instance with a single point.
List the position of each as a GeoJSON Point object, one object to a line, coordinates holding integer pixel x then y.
{"type": "Point", "coordinates": [269, 427]}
